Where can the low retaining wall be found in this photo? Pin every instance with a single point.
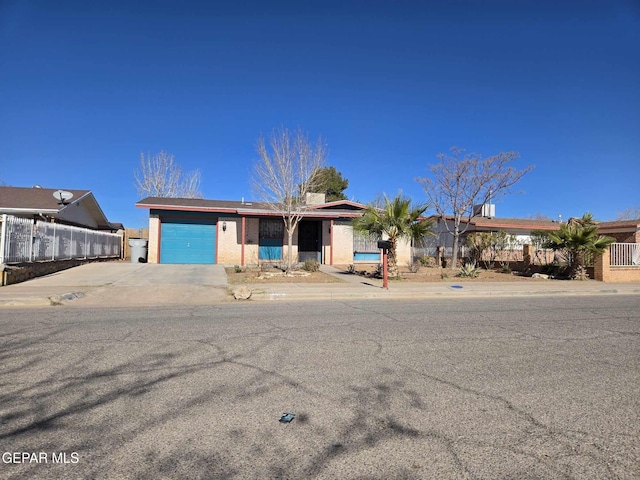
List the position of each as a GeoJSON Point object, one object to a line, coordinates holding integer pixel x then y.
{"type": "Point", "coordinates": [622, 274]}
{"type": "Point", "coordinates": [606, 273]}
{"type": "Point", "coordinates": [20, 272]}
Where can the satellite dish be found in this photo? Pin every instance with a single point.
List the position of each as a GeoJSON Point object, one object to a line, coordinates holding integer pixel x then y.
{"type": "Point", "coordinates": [62, 196]}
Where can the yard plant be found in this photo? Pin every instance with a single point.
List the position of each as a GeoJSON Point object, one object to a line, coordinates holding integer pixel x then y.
{"type": "Point", "coordinates": [578, 238]}
{"type": "Point", "coordinates": [397, 219]}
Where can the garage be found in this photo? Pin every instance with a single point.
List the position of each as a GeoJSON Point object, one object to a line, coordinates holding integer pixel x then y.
{"type": "Point", "coordinates": [188, 241]}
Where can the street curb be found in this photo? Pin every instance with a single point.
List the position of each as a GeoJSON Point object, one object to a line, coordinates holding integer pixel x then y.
{"type": "Point", "coordinates": [260, 295]}
{"type": "Point", "coordinates": [26, 302]}
{"type": "Point", "coordinates": [385, 295]}
{"type": "Point", "coordinates": [42, 301]}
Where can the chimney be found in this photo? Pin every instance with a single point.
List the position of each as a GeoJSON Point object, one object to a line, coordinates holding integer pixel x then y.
{"type": "Point", "coordinates": [315, 199]}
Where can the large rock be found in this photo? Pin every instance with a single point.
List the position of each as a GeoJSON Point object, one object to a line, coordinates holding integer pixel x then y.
{"type": "Point", "coordinates": [540, 275]}
{"type": "Point", "coordinates": [241, 293]}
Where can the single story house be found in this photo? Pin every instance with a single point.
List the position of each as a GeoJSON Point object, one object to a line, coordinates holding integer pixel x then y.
{"type": "Point", "coordinates": [521, 228]}
{"type": "Point", "coordinates": [183, 230]}
{"type": "Point", "coordinates": [624, 231]}
{"type": "Point", "coordinates": [80, 209]}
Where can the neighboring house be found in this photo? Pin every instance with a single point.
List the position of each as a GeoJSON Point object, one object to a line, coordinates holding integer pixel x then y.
{"type": "Point", "coordinates": [624, 231]}
{"type": "Point", "coordinates": [81, 210]}
{"type": "Point", "coordinates": [521, 228]}
{"type": "Point", "coordinates": [247, 233]}
{"type": "Point", "coordinates": [44, 225]}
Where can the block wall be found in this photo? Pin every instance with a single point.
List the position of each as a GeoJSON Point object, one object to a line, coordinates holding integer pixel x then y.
{"type": "Point", "coordinates": [606, 273]}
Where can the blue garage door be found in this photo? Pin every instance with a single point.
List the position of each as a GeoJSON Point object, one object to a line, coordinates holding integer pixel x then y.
{"type": "Point", "coordinates": [188, 241]}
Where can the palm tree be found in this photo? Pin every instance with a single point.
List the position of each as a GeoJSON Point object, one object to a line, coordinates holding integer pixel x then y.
{"type": "Point", "coordinates": [579, 237]}
{"type": "Point", "coordinates": [397, 219]}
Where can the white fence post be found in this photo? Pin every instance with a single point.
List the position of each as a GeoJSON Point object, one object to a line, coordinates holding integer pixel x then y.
{"type": "Point", "coordinates": [33, 235]}
{"type": "Point", "coordinates": [3, 238]}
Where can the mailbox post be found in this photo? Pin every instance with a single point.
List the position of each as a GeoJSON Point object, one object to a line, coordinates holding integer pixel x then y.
{"type": "Point", "coordinates": [385, 245]}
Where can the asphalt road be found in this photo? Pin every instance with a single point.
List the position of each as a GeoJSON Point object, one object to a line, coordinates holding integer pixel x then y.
{"type": "Point", "coordinates": [523, 388]}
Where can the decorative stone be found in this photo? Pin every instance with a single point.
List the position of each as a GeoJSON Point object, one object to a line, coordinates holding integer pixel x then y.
{"type": "Point", "coordinates": [241, 293]}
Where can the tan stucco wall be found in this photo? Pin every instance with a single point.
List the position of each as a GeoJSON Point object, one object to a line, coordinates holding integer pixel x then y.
{"type": "Point", "coordinates": [153, 248]}
{"type": "Point", "coordinates": [229, 241]}
{"type": "Point", "coordinates": [403, 251]}
{"type": "Point", "coordinates": [251, 241]}
{"type": "Point", "coordinates": [342, 243]}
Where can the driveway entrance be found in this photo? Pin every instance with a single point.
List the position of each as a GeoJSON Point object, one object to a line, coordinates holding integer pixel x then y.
{"type": "Point", "coordinates": [133, 274]}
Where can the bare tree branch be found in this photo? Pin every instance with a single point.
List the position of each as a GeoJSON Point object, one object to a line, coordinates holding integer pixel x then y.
{"type": "Point", "coordinates": [461, 181]}
{"type": "Point", "coordinates": [283, 173]}
{"type": "Point", "coordinates": [161, 176]}
{"type": "Point", "coordinates": [631, 213]}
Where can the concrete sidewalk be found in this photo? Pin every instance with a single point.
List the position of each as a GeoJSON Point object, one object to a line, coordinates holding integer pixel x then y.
{"type": "Point", "coordinates": [121, 284]}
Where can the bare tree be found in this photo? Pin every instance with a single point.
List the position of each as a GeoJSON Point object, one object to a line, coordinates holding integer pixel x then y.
{"type": "Point", "coordinates": [286, 167]}
{"type": "Point", "coordinates": [631, 213]}
{"type": "Point", "coordinates": [461, 181]}
{"type": "Point", "coordinates": [161, 176]}
{"type": "Point", "coordinates": [538, 216]}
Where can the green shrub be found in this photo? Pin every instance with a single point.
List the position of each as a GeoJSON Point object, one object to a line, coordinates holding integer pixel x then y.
{"type": "Point", "coordinates": [311, 266]}
{"type": "Point", "coordinates": [468, 270]}
{"type": "Point", "coordinates": [427, 261]}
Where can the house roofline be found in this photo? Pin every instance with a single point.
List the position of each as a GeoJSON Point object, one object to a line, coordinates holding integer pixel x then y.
{"type": "Point", "coordinates": [512, 223]}
{"type": "Point", "coordinates": [249, 212]}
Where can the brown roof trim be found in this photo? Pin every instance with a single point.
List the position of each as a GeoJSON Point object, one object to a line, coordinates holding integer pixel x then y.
{"type": "Point", "coordinates": [239, 208]}
{"type": "Point", "coordinates": [514, 223]}
{"type": "Point", "coordinates": [619, 224]}
{"type": "Point", "coordinates": [188, 209]}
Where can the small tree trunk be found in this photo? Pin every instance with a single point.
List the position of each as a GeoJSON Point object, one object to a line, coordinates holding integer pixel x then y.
{"type": "Point", "coordinates": [289, 250]}
{"type": "Point", "coordinates": [454, 254]}
{"type": "Point", "coordinates": [392, 260]}
{"type": "Point", "coordinates": [577, 261]}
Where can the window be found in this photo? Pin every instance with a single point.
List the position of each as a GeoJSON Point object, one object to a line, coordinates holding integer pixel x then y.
{"type": "Point", "coordinates": [271, 228]}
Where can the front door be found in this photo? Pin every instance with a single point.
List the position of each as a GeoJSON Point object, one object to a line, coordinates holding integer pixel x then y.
{"type": "Point", "coordinates": [310, 240]}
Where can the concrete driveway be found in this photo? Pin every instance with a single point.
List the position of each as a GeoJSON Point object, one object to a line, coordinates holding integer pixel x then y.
{"type": "Point", "coordinates": [133, 274]}
{"type": "Point", "coordinates": [125, 284]}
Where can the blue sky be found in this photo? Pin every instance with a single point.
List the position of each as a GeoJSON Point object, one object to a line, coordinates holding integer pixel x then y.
{"type": "Point", "coordinates": [86, 86]}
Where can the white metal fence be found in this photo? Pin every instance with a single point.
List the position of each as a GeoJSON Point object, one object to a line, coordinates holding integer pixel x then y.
{"type": "Point", "coordinates": [624, 255]}
{"type": "Point", "coordinates": [23, 240]}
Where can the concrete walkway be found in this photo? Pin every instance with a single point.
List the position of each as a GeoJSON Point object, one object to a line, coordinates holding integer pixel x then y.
{"type": "Point", "coordinates": [123, 284]}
